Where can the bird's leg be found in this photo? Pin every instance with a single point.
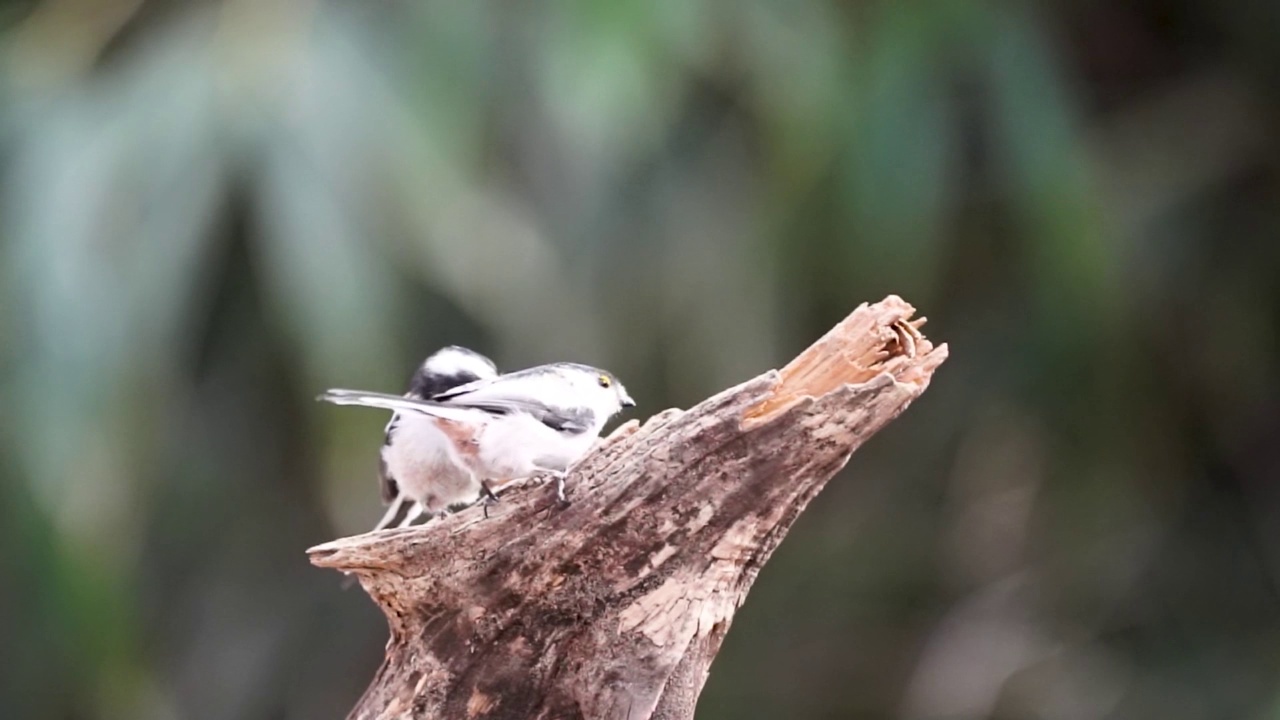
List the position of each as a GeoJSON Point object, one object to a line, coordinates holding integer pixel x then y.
{"type": "Point", "coordinates": [414, 513]}
{"type": "Point", "coordinates": [392, 511]}
{"type": "Point", "coordinates": [559, 476]}
{"type": "Point", "coordinates": [487, 498]}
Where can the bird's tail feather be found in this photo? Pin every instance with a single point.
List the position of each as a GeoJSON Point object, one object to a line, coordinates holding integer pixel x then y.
{"type": "Point", "coordinates": [399, 403]}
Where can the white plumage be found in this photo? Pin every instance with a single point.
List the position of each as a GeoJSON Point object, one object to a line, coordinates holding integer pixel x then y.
{"type": "Point", "coordinates": [418, 470]}
{"type": "Point", "coordinates": [498, 428]}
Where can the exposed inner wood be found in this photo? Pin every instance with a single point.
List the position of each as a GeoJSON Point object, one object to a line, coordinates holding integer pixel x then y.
{"type": "Point", "coordinates": [615, 606]}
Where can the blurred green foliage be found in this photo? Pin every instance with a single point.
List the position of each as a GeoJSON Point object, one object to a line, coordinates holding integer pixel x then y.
{"type": "Point", "coordinates": [211, 210]}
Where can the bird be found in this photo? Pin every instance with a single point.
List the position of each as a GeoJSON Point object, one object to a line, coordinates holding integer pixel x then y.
{"type": "Point", "coordinates": [417, 470]}
{"type": "Point", "coordinates": [516, 425]}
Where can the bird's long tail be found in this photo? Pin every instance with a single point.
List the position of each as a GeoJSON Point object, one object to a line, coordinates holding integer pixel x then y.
{"type": "Point", "coordinates": [399, 403]}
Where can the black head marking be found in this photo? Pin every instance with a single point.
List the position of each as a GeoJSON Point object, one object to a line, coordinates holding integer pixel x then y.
{"type": "Point", "coordinates": [425, 385]}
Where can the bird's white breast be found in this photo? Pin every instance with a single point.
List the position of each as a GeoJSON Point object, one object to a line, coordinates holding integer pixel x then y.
{"type": "Point", "coordinates": [421, 459]}
{"type": "Point", "coordinates": [518, 445]}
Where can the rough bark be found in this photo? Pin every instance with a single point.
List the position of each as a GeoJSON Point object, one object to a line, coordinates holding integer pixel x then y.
{"type": "Point", "coordinates": [615, 606]}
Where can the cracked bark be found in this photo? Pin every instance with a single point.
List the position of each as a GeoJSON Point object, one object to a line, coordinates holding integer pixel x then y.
{"type": "Point", "coordinates": [615, 606]}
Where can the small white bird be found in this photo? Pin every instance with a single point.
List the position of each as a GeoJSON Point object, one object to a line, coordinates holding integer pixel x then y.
{"type": "Point", "coordinates": [417, 468]}
{"type": "Point", "coordinates": [515, 425]}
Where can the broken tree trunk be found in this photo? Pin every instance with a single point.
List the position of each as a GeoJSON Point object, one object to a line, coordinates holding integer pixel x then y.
{"type": "Point", "coordinates": [615, 606]}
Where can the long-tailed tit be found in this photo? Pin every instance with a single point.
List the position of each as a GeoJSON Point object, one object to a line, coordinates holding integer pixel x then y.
{"type": "Point", "coordinates": [540, 420]}
{"type": "Point", "coordinates": [417, 468]}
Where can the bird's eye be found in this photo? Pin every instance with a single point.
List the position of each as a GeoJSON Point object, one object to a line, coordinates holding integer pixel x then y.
{"type": "Point", "coordinates": [605, 381]}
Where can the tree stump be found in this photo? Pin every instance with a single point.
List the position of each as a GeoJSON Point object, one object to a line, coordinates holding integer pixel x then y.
{"type": "Point", "coordinates": [615, 605]}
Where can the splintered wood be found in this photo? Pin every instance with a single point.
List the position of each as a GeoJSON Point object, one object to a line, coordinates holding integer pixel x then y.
{"type": "Point", "coordinates": [871, 340]}
{"type": "Point", "coordinates": [614, 606]}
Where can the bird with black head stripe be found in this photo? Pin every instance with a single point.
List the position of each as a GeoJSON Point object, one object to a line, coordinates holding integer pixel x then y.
{"type": "Point", "coordinates": [417, 470]}
{"type": "Point", "coordinates": [539, 420]}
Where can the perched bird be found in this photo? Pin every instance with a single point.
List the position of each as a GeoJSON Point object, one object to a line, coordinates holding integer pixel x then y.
{"type": "Point", "coordinates": [540, 420]}
{"type": "Point", "coordinates": [417, 468]}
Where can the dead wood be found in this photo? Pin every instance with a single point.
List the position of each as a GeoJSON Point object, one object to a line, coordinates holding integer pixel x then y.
{"type": "Point", "coordinates": [615, 606]}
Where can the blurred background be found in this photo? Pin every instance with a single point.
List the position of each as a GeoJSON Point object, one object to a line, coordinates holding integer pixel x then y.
{"type": "Point", "coordinates": [209, 211]}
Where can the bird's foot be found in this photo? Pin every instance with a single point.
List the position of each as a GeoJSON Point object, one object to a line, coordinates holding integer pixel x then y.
{"type": "Point", "coordinates": [559, 478]}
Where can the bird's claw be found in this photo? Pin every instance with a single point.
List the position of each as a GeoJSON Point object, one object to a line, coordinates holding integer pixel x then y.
{"type": "Point", "coordinates": [487, 498]}
{"type": "Point", "coordinates": [559, 478]}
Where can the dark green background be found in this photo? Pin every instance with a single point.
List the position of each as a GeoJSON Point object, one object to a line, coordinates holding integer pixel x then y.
{"type": "Point", "coordinates": [210, 211]}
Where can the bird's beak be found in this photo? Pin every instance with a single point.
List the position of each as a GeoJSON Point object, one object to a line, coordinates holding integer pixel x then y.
{"type": "Point", "coordinates": [627, 401]}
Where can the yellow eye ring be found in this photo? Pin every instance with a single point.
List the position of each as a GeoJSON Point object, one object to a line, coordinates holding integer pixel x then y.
{"type": "Point", "coordinates": [605, 381]}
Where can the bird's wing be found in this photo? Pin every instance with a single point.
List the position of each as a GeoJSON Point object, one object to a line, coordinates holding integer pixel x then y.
{"type": "Point", "coordinates": [572, 421]}
{"type": "Point", "coordinates": [499, 396]}
{"type": "Point", "coordinates": [533, 394]}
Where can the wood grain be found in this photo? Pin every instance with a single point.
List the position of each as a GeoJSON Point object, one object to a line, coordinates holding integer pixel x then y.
{"type": "Point", "coordinates": [615, 606]}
